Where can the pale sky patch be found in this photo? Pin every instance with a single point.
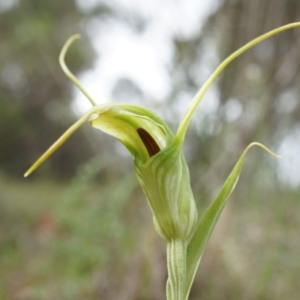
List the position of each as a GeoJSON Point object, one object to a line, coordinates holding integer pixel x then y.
{"type": "Point", "coordinates": [142, 57]}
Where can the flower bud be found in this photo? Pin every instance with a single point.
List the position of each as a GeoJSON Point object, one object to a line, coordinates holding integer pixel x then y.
{"type": "Point", "coordinates": [160, 166]}
{"type": "Point", "coordinates": [166, 184]}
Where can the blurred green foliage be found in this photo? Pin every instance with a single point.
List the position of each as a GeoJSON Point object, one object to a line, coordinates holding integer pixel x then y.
{"type": "Point", "coordinates": [34, 93]}
{"type": "Point", "coordinates": [63, 241]}
{"type": "Point", "coordinates": [90, 236]}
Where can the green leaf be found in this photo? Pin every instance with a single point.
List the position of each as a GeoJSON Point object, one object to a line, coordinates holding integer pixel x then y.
{"type": "Point", "coordinates": [209, 219]}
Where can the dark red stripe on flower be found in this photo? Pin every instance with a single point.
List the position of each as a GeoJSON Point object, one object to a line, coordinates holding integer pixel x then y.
{"type": "Point", "coordinates": [148, 141]}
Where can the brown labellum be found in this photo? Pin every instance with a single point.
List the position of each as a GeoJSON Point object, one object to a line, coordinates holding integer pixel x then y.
{"type": "Point", "coordinates": [148, 141]}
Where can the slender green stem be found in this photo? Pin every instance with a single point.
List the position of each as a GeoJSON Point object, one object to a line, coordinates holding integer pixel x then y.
{"type": "Point", "coordinates": [68, 72]}
{"type": "Point", "coordinates": [63, 138]}
{"type": "Point", "coordinates": [176, 258]}
{"type": "Point", "coordinates": [197, 99]}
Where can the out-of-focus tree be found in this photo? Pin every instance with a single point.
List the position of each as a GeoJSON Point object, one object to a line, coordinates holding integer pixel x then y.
{"type": "Point", "coordinates": [35, 95]}
{"type": "Point", "coordinates": [256, 98]}
{"type": "Point", "coordinates": [257, 94]}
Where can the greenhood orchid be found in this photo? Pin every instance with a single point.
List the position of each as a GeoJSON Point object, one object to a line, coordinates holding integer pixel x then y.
{"type": "Point", "coordinates": [163, 172]}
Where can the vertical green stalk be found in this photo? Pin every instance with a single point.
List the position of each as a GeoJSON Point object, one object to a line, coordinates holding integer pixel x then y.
{"type": "Point", "coordinates": [176, 259]}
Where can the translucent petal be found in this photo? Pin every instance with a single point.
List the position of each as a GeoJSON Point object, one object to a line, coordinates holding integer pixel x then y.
{"type": "Point", "coordinates": [138, 129]}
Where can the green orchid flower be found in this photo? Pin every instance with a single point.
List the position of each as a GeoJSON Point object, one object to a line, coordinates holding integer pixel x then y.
{"type": "Point", "coordinates": [163, 172]}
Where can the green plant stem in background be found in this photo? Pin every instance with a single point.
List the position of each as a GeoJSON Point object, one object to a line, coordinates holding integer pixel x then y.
{"type": "Point", "coordinates": [163, 172]}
